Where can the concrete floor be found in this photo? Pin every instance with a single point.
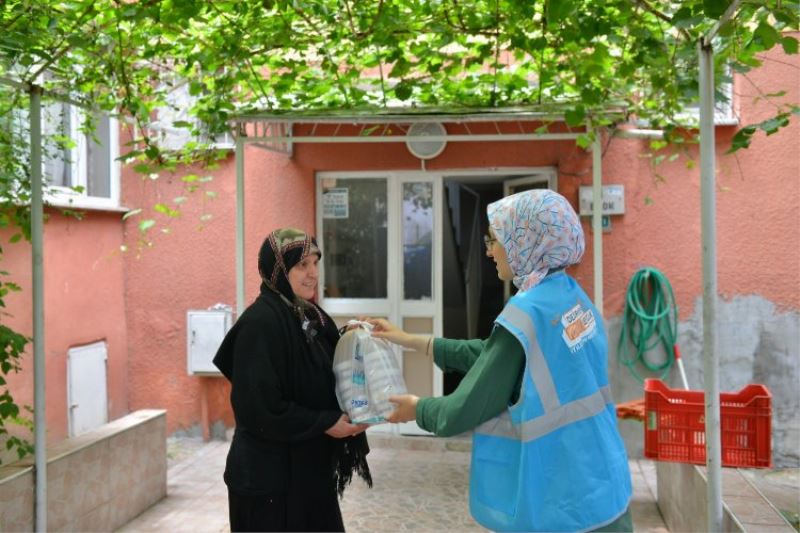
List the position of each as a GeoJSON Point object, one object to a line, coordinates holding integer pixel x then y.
{"type": "Point", "coordinates": [420, 484]}
{"type": "Point", "coordinates": [782, 488]}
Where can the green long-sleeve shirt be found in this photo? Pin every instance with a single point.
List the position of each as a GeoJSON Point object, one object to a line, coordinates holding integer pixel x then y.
{"type": "Point", "coordinates": [493, 370]}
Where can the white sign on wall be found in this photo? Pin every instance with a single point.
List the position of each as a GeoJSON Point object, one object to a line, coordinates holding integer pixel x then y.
{"type": "Point", "coordinates": [613, 200]}
{"type": "Point", "coordinates": [335, 203]}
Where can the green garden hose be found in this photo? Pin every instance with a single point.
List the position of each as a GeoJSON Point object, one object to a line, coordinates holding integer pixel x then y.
{"type": "Point", "coordinates": [651, 318]}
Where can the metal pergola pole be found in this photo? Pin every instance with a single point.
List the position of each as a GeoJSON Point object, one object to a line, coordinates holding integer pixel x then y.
{"type": "Point", "coordinates": [709, 240]}
{"type": "Point", "coordinates": [708, 191]}
{"type": "Point", "coordinates": [239, 225]}
{"type": "Point", "coordinates": [597, 221]}
{"type": "Point", "coordinates": [37, 241]}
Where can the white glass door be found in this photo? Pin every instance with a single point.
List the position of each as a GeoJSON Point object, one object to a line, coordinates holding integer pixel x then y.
{"type": "Point", "coordinates": [378, 245]}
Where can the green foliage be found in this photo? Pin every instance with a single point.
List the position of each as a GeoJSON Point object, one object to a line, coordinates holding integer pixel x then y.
{"type": "Point", "coordinates": [744, 136]}
{"type": "Point", "coordinates": [240, 55]}
{"type": "Point", "coordinates": [12, 347]}
{"type": "Point", "coordinates": [577, 57]}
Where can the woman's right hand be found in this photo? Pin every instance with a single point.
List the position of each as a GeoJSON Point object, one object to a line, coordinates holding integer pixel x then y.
{"type": "Point", "coordinates": [343, 428]}
{"type": "Point", "coordinates": [383, 329]}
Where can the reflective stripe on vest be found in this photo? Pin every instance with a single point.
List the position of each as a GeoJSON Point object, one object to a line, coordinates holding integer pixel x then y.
{"type": "Point", "coordinates": [501, 426]}
{"type": "Point", "coordinates": [555, 414]}
{"type": "Point", "coordinates": [536, 362]}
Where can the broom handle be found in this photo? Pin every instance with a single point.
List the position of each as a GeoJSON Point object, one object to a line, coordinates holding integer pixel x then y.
{"type": "Point", "coordinates": [680, 366]}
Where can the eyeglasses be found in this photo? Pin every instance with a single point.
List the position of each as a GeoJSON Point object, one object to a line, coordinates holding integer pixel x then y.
{"type": "Point", "coordinates": [489, 242]}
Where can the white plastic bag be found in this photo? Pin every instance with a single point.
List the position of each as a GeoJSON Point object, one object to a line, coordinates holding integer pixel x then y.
{"type": "Point", "coordinates": [367, 373]}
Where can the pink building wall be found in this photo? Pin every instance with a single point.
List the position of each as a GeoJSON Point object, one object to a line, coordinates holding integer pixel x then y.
{"type": "Point", "coordinates": [758, 190]}
{"type": "Point", "coordinates": [84, 303]}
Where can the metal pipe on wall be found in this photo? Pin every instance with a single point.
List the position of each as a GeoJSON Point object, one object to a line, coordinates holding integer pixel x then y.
{"type": "Point", "coordinates": [638, 133]}
{"type": "Point", "coordinates": [709, 244]}
{"type": "Point", "coordinates": [380, 139]}
{"type": "Point", "coordinates": [37, 250]}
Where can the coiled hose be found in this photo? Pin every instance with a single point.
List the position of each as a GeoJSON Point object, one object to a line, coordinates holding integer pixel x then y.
{"type": "Point", "coordinates": [651, 318]}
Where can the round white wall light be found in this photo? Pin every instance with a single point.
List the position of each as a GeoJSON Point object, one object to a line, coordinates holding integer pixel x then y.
{"type": "Point", "coordinates": [426, 149]}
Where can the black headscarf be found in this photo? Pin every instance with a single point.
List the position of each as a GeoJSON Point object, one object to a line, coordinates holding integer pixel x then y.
{"type": "Point", "coordinates": [281, 250]}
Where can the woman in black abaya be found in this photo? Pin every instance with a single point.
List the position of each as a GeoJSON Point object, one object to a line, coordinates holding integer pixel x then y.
{"type": "Point", "coordinates": [293, 451]}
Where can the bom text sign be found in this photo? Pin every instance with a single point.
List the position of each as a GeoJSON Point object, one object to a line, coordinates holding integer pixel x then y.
{"type": "Point", "coordinates": [613, 200]}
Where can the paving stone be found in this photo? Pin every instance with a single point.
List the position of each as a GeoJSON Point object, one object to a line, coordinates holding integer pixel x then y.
{"type": "Point", "coordinates": [420, 485]}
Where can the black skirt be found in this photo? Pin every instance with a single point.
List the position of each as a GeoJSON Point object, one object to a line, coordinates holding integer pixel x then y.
{"type": "Point", "coordinates": [280, 513]}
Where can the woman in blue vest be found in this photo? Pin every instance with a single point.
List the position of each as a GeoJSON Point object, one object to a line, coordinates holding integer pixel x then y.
{"type": "Point", "coordinates": [546, 454]}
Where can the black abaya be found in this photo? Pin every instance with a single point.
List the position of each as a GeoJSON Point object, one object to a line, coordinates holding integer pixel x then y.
{"type": "Point", "coordinates": [281, 469]}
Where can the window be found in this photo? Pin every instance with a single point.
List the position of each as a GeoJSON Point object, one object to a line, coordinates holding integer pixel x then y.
{"type": "Point", "coordinates": [80, 169]}
{"type": "Point", "coordinates": [170, 137]}
{"type": "Point", "coordinates": [417, 240]}
{"type": "Point", "coordinates": [723, 106]}
{"type": "Point", "coordinates": [354, 237]}
{"type": "Point", "coordinates": [724, 110]}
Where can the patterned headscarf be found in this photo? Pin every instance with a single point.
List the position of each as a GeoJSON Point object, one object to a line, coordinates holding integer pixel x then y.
{"type": "Point", "coordinates": [539, 232]}
{"type": "Point", "coordinates": [281, 250]}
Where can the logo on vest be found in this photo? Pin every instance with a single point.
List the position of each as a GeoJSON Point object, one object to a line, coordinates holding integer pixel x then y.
{"type": "Point", "coordinates": [579, 326]}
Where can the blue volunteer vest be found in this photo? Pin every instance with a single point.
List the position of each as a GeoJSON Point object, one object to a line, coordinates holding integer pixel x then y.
{"type": "Point", "coordinates": [554, 461]}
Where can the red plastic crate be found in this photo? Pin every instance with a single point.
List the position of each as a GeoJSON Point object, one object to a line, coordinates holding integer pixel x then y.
{"type": "Point", "coordinates": [675, 425]}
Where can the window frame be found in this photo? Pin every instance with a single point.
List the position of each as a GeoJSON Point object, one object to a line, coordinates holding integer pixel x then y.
{"type": "Point", "coordinates": [68, 197]}
{"type": "Point", "coordinates": [724, 112]}
{"type": "Point", "coordinates": [168, 137]}
{"type": "Point", "coordinates": [360, 306]}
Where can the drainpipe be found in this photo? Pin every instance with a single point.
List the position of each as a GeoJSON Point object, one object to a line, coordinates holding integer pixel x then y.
{"type": "Point", "coordinates": [239, 224]}
{"type": "Point", "coordinates": [709, 240]}
{"type": "Point", "coordinates": [37, 238]}
{"type": "Point", "coordinates": [638, 133]}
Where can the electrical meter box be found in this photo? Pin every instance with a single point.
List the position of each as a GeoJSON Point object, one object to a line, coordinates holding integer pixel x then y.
{"type": "Point", "coordinates": [205, 331]}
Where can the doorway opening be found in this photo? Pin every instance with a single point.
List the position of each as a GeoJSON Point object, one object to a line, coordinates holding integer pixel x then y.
{"type": "Point", "coordinates": [472, 294]}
